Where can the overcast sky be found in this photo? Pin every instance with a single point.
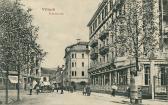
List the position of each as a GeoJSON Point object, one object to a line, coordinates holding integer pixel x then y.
{"type": "Point", "coordinates": [57, 31]}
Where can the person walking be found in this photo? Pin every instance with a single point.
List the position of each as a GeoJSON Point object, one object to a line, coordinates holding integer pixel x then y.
{"type": "Point", "coordinates": [114, 89]}
{"type": "Point", "coordinates": [84, 90]}
{"type": "Point", "coordinates": [31, 88]}
{"type": "Point", "coordinates": [53, 87]}
{"type": "Point", "coordinates": [37, 88]}
{"type": "Point", "coordinates": [42, 86]}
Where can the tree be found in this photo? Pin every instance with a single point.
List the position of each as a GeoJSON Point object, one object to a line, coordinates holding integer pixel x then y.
{"type": "Point", "coordinates": [17, 38]}
{"type": "Point", "coordinates": [136, 33]}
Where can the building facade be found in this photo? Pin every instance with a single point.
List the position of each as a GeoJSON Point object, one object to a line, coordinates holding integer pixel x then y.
{"type": "Point", "coordinates": [76, 64]}
{"type": "Point", "coordinates": [111, 63]}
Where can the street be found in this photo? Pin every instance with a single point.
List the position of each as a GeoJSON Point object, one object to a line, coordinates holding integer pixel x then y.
{"type": "Point", "coordinates": [77, 98]}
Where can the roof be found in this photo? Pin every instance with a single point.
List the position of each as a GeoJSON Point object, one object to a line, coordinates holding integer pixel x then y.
{"type": "Point", "coordinates": [71, 46]}
{"type": "Point", "coordinates": [79, 43]}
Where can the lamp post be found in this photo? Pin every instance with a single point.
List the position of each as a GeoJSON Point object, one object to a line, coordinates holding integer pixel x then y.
{"type": "Point", "coordinates": [62, 90]}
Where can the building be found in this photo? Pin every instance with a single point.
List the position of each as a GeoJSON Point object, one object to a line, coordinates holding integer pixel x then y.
{"type": "Point", "coordinates": [112, 65]}
{"type": "Point", "coordinates": [58, 78]}
{"type": "Point", "coordinates": [48, 75]}
{"type": "Point", "coordinates": [31, 71]}
{"type": "Point", "coordinates": [76, 64]}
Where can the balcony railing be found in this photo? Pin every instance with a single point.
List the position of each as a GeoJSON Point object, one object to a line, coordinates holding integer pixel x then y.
{"type": "Point", "coordinates": [103, 34]}
{"type": "Point", "coordinates": [103, 50]}
{"type": "Point", "coordinates": [93, 43]}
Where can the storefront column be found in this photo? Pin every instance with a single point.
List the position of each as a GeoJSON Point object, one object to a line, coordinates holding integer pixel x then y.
{"type": "Point", "coordinates": [128, 76]}
{"type": "Point", "coordinates": [99, 80]}
{"type": "Point", "coordinates": [110, 78]}
{"type": "Point", "coordinates": [116, 77]}
{"type": "Point", "coordinates": [152, 70]}
{"type": "Point", "coordinates": [93, 80]}
{"type": "Point", "coordinates": [104, 79]}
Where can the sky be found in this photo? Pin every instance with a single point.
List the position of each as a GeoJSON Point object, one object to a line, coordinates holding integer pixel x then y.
{"type": "Point", "coordinates": [61, 22]}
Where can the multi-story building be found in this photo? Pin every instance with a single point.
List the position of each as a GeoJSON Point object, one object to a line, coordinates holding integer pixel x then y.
{"type": "Point", "coordinates": [76, 64]}
{"type": "Point", "coordinates": [31, 72]}
{"type": "Point", "coordinates": [111, 64]}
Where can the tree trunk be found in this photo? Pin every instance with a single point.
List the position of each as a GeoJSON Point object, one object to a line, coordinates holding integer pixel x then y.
{"type": "Point", "coordinates": [7, 72]}
{"type": "Point", "coordinates": [18, 88]}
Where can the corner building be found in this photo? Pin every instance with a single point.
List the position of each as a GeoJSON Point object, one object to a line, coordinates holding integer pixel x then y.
{"type": "Point", "coordinates": [76, 64]}
{"type": "Point", "coordinates": [109, 65]}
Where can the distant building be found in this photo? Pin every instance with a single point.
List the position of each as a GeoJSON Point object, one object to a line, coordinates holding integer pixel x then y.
{"type": "Point", "coordinates": [48, 75]}
{"type": "Point", "coordinates": [76, 64]}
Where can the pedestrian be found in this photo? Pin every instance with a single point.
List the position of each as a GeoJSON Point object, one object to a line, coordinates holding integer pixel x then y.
{"type": "Point", "coordinates": [84, 90]}
{"type": "Point", "coordinates": [37, 88]}
{"type": "Point", "coordinates": [88, 90]}
{"type": "Point", "coordinates": [128, 92]}
{"type": "Point", "coordinates": [31, 88]}
{"type": "Point", "coordinates": [57, 87]}
{"type": "Point", "coordinates": [53, 87]}
{"type": "Point", "coordinates": [114, 89]}
{"type": "Point", "coordinates": [42, 86]}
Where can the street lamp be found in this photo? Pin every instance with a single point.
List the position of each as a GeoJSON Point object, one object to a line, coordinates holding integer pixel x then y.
{"type": "Point", "coordinates": [62, 90]}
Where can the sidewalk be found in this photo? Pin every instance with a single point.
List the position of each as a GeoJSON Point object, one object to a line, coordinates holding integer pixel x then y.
{"type": "Point", "coordinates": [12, 96]}
{"type": "Point", "coordinates": [125, 100]}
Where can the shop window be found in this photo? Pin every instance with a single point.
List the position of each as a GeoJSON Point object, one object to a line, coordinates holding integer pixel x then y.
{"type": "Point", "coordinates": [163, 76]}
{"type": "Point", "coordinates": [147, 74]}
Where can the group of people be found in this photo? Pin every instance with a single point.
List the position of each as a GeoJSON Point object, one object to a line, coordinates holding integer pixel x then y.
{"type": "Point", "coordinates": [39, 87]}
{"type": "Point", "coordinates": [86, 91]}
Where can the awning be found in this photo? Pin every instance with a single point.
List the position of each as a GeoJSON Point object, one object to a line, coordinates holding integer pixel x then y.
{"type": "Point", "coordinates": [13, 79]}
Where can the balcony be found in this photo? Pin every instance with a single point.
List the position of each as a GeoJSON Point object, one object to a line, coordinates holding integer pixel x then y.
{"type": "Point", "coordinates": [104, 50]}
{"type": "Point", "coordinates": [93, 43]}
{"type": "Point", "coordinates": [103, 35]}
{"type": "Point", "coordinates": [94, 55]}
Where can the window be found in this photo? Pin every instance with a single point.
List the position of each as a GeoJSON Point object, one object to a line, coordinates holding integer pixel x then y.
{"type": "Point", "coordinates": [75, 55]}
{"type": "Point", "coordinates": [83, 73]}
{"type": "Point", "coordinates": [75, 73]}
{"type": "Point", "coordinates": [83, 64]}
{"type": "Point", "coordinates": [163, 75]}
{"type": "Point", "coordinates": [147, 74]}
{"type": "Point", "coordinates": [100, 59]}
{"type": "Point", "coordinates": [83, 55]}
{"type": "Point", "coordinates": [107, 57]}
{"type": "Point", "coordinates": [104, 59]}
{"type": "Point", "coordinates": [72, 55]}
{"type": "Point", "coordinates": [99, 19]}
{"type": "Point", "coordinates": [106, 10]}
{"type": "Point", "coordinates": [72, 73]}
{"type": "Point", "coordinates": [75, 64]}
{"type": "Point", "coordinates": [72, 64]}
{"type": "Point", "coordinates": [103, 14]}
